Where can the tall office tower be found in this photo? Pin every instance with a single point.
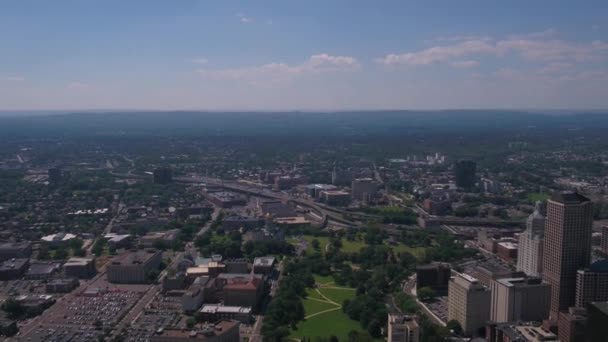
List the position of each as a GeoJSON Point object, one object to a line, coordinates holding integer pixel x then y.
{"type": "Point", "coordinates": [604, 244]}
{"type": "Point", "coordinates": [592, 284]}
{"type": "Point", "coordinates": [55, 175]}
{"type": "Point", "coordinates": [464, 171]}
{"type": "Point", "coordinates": [163, 175]}
{"type": "Point", "coordinates": [468, 303]}
{"type": "Point", "coordinates": [597, 323]}
{"type": "Point", "coordinates": [520, 299]}
{"type": "Point", "coordinates": [530, 255]}
{"type": "Point", "coordinates": [403, 328]}
{"type": "Point", "coordinates": [567, 246]}
{"type": "Point", "coordinates": [362, 189]}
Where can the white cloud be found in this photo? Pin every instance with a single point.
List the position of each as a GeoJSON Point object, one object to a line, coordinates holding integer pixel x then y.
{"type": "Point", "coordinates": [200, 61]}
{"type": "Point", "coordinates": [273, 72]}
{"type": "Point", "coordinates": [464, 64]}
{"type": "Point", "coordinates": [244, 19]}
{"type": "Point", "coordinates": [439, 53]}
{"type": "Point", "coordinates": [14, 78]}
{"type": "Point", "coordinates": [537, 46]}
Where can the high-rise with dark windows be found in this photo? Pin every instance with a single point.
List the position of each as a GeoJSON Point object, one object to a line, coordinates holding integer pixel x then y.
{"type": "Point", "coordinates": [567, 246]}
{"type": "Point", "coordinates": [464, 171]}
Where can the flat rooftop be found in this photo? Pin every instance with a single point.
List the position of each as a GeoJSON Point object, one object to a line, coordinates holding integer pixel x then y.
{"type": "Point", "coordinates": [133, 258]}
{"type": "Point", "coordinates": [207, 332]}
{"type": "Point", "coordinates": [264, 261]}
{"type": "Point", "coordinates": [212, 309]}
{"type": "Point", "coordinates": [13, 264]}
{"type": "Point", "coordinates": [508, 245]}
{"type": "Point", "coordinates": [78, 262]}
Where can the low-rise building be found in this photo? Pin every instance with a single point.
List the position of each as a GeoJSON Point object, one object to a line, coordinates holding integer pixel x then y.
{"type": "Point", "coordinates": [133, 267]}
{"type": "Point", "coordinates": [13, 269]}
{"type": "Point", "coordinates": [59, 239]}
{"type": "Point", "coordinates": [274, 209]}
{"type": "Point", "coordinates": [245, 291]}
{"type": "Point", "coordinates": [231, 223]}
{"type": "Point", "coordinates": [436, 206]}
{"type": "Point", "coordinates": [215, 312]}
{"type": "Point", "coordinates": [507, 251]}
{"type": "Point", "coordinates": [119, 240]}
{"type": "Point", "coordinates": [289, 222]}
{"type": "Point", "coordinates": [403, 328]}
{"type": "Point", "coordinates": [223, 331]}
{"type": "Point", "coordinates": [515, 332]}
{"type": "Point", "coordinates": [17, 250]}
{"type": "Point", "coordinates": [211, 269]}
{"type": "Point", "coordinates": [152, 239]}
{"type": "Point", "coordinates": [336, 198]}
{"type": "Point", "coordinates": [263, 265]}
{"type": "Point", "coordinates": [42, 270]}
{"type": "Point", "coordinates": [435, 275]}
{"type": "Point", "coordinates": [81, 268]}
{"type": "Point", "coordinates": [225, 199]}
{"type": "Point", "coordinates": [288, 182]}
{"type": "Point", "coordinates": [202, 290]}
{"type": "Point", "coordinates": [174, 282]}
{"type": "Point", "coordinates": [64, 285]}
{"type": "Point", "coordinates": [315, 190]}
{"type": "Point", "coordinates": [236, 266]}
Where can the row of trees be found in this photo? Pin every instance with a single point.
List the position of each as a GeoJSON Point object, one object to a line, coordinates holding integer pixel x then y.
{"type": "Point", "coordinates": [286, 309]}
{"type": "Point", "coordinates": [231, 246]}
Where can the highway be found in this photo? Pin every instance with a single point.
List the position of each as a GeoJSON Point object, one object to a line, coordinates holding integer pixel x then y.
{"type": "Point", "coordinates": [328, 214]}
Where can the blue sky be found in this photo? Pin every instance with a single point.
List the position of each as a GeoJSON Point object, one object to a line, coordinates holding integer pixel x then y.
{"type": "Point", "coordinates": [317, 55]}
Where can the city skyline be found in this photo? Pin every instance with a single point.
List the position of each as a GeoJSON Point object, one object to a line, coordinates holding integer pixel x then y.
{"type": "Point", "coordinates": [338, 55]}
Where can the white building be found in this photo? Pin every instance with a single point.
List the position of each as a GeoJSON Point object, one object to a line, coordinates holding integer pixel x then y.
{"type": "Point", "coordinates": [530, 255]}
{"type": "Point", "coordinates": [468, 303]}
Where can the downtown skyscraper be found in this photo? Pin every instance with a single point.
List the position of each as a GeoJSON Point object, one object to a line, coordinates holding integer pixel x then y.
{"type": "Point", "coordinates": [530, 256]}
{"type": "Point", "coordinates": [567, 246]}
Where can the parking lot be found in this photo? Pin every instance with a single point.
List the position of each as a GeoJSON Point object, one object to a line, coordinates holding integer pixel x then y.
{"type": "Point", "coordinates": [107, 308]}
{"type": "Point", "coordinates": [147, 323]}
{"type": "Point", "coordinates": [439, 307]}
{"type": "Point", "coordinates": [62, 333]}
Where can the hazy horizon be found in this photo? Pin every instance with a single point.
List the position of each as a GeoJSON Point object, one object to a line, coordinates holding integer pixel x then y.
{"type": "Point", "coordinates": [315, 56]}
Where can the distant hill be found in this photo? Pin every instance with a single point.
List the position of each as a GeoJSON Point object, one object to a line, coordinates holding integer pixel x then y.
{"type": "Point", "coordinates": [296, 123]}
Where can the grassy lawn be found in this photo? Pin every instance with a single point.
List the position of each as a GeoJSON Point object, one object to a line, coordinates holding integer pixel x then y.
{"type": "Point", "coordinates": [418, 252]}
{"type": "Point", "coordinates": [338, 295]}
{"type": "Point", "coordinates": [312, 306]}
{"type": "Point", "coordinates": [319, 279]}
{"type": "Point", "coordinates": [216, 238]}
{"type": "Point", "coordinates": [355, 246]}
{"type": "Point", "coordinates": [536, 196]}
{"type": "Point", "coordinates": [328, 323]}
{"type": "Point", "coordinates": [352, 246]}
{"type": "Point", "coordinates": [313, 294]}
